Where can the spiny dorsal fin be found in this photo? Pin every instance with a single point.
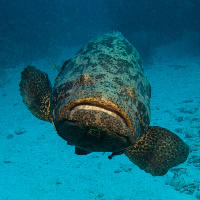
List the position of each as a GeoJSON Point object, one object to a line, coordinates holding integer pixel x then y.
{"type": "Point", "coordinates": [35, 89]}
{"type": "Point", "coordinates": [158, 150]}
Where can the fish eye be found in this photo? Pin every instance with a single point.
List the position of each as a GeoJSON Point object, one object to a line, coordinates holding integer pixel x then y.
{"type": "Point", "coordinates": [131, 91]}
{"type": "Point", "coordinates": [81, 79]}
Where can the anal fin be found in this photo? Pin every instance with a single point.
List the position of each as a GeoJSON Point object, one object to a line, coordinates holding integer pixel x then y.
{"type": "Point", "coordinates": [157, 151]}
{"type": "Point", "coordinates": [35, 89]}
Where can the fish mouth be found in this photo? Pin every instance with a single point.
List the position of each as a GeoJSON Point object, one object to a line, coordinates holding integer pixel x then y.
{"type": "Point", "coordinates": [97, 107]}
{"type": "Point", "coordinates": [93, 125]}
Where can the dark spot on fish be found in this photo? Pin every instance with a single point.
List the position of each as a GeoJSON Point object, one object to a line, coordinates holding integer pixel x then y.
{"type": "Point", "coordinates": [118, 81]}
{"type": "Point", "coordinates": [113, 65]}
{"type": "Point", "coordinates": [60, 93]}
{"type": "Point", "coordinates": [89, 47]}
{"type": "Point", "coordinates": [140, 63]}
{"type": "Point", "coordinates": [78, 69]}
{"type": "Point", "coordinates": [143, 116]}
{"type": "Point", "coordinates": [141, 88]}
{"type": "Point", "coordinates": [128, 47]}
{"type": "Point", "coordinates": [100, 76]}
{"type": "Point", "coordinates": [96, 51]}
{"type": "Point", "coordinates": [137, 77]}
{"type": "Point", "coordinates": [108, 41]}
{"type": "Point", "coordinates": [63, 67]}
{"type": "Point", "coordinates": [123, 65]}
{"type": "Point", "coordinates": [105, 59]}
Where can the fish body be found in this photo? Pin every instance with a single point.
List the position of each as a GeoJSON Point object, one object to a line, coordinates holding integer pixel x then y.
{"type": "Point", "coordinates": [100, 102]}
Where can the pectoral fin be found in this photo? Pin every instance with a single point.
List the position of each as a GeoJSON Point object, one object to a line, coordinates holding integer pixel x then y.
{"type": "Point", "coordinates": [157, 151]}
{"type": "Point", "coordinates": [35, 89]}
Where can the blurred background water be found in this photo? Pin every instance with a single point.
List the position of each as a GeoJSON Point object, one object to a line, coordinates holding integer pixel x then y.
{"type": "Point", "coordinates": [34, 29]}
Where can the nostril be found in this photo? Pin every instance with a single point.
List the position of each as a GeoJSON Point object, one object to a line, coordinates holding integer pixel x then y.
{"type": "Point", "coordinates": [93, 81]}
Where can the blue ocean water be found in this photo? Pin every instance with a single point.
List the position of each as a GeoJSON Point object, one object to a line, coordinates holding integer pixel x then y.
{"type": "Point", "coordinates": [35, 162]}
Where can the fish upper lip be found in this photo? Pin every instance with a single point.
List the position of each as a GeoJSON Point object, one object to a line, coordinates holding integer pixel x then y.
{"type": "Point", "coordinates": [93, 105]}
{"type": "Point", "coordinates": [109, 107]}
{"type": "Point", "coordinates": [69, 103]}
{"type": "Point", "coordinates": [98, 107]}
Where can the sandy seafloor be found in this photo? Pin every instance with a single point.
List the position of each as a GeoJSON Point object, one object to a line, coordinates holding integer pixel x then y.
{"type": "Point", "coordinates": [37, 164]}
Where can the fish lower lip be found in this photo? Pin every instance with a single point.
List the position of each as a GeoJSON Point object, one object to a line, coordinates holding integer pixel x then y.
{"type": "Point", "coordinates": [90, 104]}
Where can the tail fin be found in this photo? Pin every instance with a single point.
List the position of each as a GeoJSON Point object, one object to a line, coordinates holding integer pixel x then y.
{"type": "Point", "coordinates": [35, 89]}
{"type": "Point", "coordinates": [157, 151]}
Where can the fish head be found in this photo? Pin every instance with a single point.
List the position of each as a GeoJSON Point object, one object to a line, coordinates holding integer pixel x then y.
{"type": "Point", "coordinates": [94, 101]}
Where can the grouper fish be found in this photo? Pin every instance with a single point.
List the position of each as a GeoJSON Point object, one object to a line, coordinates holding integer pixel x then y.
{"type": "Point", "coordinates": [100, 102]}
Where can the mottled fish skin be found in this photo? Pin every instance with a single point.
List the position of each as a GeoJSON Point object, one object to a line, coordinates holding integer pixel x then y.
{"type": "Point", "coordinates": [101, 102]}
{"type": "Point", "coordinates": [107, 72]}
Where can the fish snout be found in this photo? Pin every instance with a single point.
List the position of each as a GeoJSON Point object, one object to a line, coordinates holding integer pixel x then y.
{"type": "Point", "coordinates": [93, 127]}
